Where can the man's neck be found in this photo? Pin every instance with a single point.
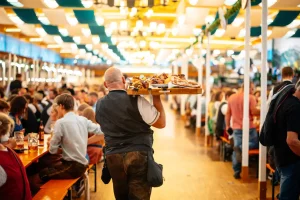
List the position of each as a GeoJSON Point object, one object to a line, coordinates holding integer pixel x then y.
{"type": "Point", "coordinates": [66, 112]}
{"type": "Point", "coordinates": [116, 88]}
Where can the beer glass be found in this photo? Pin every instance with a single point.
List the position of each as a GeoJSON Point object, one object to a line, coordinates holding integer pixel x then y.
{"type": "Point", "coordinates": [33, 142]}
{"type": "Point", "coordinates": [19, 136]}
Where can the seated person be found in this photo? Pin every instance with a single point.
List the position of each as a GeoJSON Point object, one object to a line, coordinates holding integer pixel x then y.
{"type": "Point", "coordinates": [50, 159]}
{"type": "Point", "coordinates": [81, 108]}
{"type": "Point", "coordinates": [4, 107]}
{"type": "Point", "coordinates": [18, 110]}
{"type": "Point", "coordinates": [13, 179]}
{"type": "Point", "coordinates": [52, 119]}
{"type": "Point", "coordinates": [95, 142]}
{"type": "Point", "coordinates": [70, 133]}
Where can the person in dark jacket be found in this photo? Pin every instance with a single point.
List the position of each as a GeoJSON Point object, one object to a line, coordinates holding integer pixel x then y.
{"type": "Point", "coordinates": [287, 145]}
{"type": "Point", "coordinates": [16, 84]}
{"type": "Point", "coordinates": [126, 123]}
{"type": "Point", "coordinates": [221, 113]}
{"type": "Point", "coordinates": [287, 74]}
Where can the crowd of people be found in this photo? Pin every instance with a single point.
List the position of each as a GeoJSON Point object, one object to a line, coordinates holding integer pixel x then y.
{"type": "Point", "coordinates": [25, 109]}
{"type": "Point", "coordinates": [72, 117]}
{"type": "Point", "coordinates": [225, 119]}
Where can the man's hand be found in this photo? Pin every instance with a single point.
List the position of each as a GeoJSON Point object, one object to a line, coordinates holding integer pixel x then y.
{"type": "Point", "coordinates": [11, 143]}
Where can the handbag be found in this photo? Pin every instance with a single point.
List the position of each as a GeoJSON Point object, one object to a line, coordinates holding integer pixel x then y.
{"type": "Point", "coordinates": [105, 177]}
{"type": "Point", "coordinates": [155, 172]}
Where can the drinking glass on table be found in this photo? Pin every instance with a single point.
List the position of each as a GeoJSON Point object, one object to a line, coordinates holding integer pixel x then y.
{"type": "Point", "coordinates": [33, 141]}
{"type": "Point", "coordinates": [19, 136]}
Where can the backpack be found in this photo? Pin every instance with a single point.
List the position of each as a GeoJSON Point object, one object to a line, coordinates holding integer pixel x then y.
{"type": "Point", "coordinates": [266, 137]}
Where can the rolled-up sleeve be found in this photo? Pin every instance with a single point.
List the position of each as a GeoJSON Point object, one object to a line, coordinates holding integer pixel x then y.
{"type": "Point", "coordinates": [148, 112]}
{"type": "Point", "coordinates": [55, 141]}
{"type": "Point", "coordinates": [94, 128]}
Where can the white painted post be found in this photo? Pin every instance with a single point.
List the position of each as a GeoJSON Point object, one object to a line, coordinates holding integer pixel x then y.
{"type": "Point", "coordinates": [263, 106]}
{"type": "Point", "coordinates": [32, 77]}
{"type": "Point", "coordinates": [245, 142]}
{"type": "Point", "coordinates": [15, 67]}
{"type": "Point", "coordinates": [9, 74]}
{"type": "Point", "coordinates": [93, 76]}
{"type": "Point", "coordinates": [199, 65]}
{"type": "Point", "coordinates": [184, 70]}
{"type": "Point", "coordinates": [3, 73]}
{"type": "Point", "coordinates": [37, 68]}
{"type": "Point", "coordinates": [175, 67]}
{"type": "Point", "coordinates": [9, 68]}
{"type": "Point", "coordinates": [207, 82]}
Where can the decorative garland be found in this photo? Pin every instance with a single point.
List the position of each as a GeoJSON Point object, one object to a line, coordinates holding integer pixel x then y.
{"type": "Point", "coordinates": [215, 24]}
{"type": "Point", "coordinates": [235, 8]}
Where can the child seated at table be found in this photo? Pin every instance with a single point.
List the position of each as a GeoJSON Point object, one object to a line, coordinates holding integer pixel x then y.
{"type": "Point", "coordinates": [95, 142]}
{"type": "Point", "coordinates": [13, 179]}
{"type": "Point", "coordinates": [71, 134]}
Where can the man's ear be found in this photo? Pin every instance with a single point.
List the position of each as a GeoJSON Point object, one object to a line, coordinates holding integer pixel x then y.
{"type": "Point", "coordinates": [123, 80]}
{"type": "Point", "coordinates": [105, 84]}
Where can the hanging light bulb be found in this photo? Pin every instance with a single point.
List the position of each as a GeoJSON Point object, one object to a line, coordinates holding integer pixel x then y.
{"type": "Point", "coordinates": [139, 24]}
{"type": "Point", "coordinates": [143, 44]}
{"type": "Point", "coordinates": [197, 31]}
{"type": "Point", "coordinates": [174, 31]}
{"type": "Point", "coordinates": [149, 13]}
{"type": "Point", "coordinates": [153, 26]}
{"type": "Point", "coordinates": [181, 19]}
{"type": "Point", "coordinates": [189, 51]}
{"type": "Point", "coordinates": [100, 20]}
{"type": "Point", "coordinates": [193, 2]}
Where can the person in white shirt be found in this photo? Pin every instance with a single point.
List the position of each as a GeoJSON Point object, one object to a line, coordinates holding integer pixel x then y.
{"type": "Point", "coordinates": [70, 137]}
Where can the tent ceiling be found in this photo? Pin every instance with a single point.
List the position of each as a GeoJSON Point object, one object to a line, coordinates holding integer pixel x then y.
{"type": "Point", "coordinates": [167, 27]}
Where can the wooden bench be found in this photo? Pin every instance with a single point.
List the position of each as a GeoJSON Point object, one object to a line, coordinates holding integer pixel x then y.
{"type": "Point", "coordinates": [222, 150]}
{"type": "Point", "coordinates": [273, 180]}
{"type": "Point", "coordinates": [50, 194]}
{"type": "Point", "coordinates": [94, 168]}
{"type": "Point", "coordinates": [62, 187]}
{"type": "Point", "coordinates": [253, 152]}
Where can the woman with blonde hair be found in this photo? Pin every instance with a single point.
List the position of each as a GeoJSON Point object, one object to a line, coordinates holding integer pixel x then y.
{"type": "Point", "coordinates": [13, 179]}
{"type": "Point", "coordinates": [95, 142]}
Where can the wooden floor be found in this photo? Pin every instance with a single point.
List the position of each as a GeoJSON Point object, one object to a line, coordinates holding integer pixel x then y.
{"type": "Point", "coordinates": [191, 170]}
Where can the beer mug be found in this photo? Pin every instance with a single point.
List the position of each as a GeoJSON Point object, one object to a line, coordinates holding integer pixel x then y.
{"type": "Point", "coordinates": [19, 136]}
{"type": "Point", "coordinates": [33, 142]}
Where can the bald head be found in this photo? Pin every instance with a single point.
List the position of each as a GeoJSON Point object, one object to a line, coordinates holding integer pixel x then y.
{"type": "Point", "coordinates": [113, 78]}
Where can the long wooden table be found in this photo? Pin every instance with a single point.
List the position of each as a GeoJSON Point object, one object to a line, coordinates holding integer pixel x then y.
{"type": "Point", "coordinates": [28, 158]}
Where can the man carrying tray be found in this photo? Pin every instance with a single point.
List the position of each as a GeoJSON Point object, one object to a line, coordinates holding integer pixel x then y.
{"type": "Point", "coordinates": [126, 121]}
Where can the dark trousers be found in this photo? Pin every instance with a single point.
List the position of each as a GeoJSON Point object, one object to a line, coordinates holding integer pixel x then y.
{"type": "Point", "coordinates": [289, 182]}
{"type": "Point", "coordinates": [63, 170]}
{"type": "Point", "coordinates": [60, 170]}
{"type": "Point", "coordinates": [129, 175]}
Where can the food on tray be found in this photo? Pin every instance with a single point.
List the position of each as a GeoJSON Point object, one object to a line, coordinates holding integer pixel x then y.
{"type": "Point", "coordinates": [160, 79]}
{"type": "Point", "coordinates": [140, 82]}
{"type": "Point", "coordinates": [180, 81]}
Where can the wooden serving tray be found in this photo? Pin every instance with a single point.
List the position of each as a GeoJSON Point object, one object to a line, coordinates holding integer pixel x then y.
{"type": "Point", "coordinates": [161, 91]}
